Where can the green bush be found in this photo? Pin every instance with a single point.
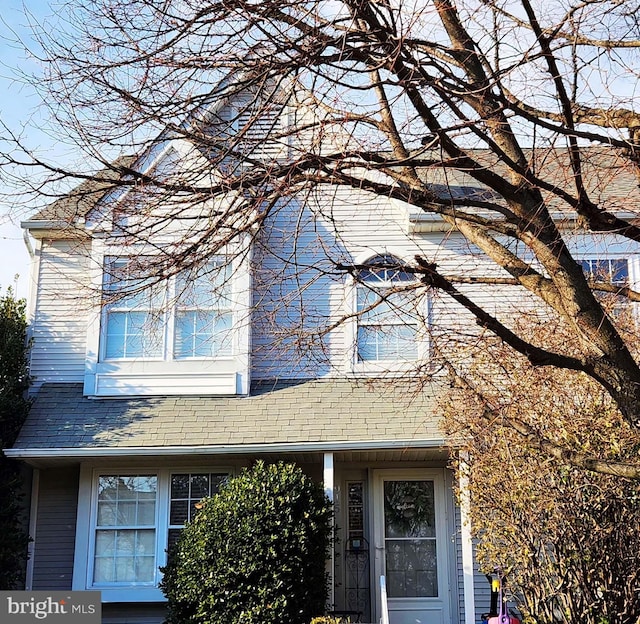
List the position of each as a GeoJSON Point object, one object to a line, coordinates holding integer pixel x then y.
{"type": "Point", "coordinates": [254, 554]}
{"type": "Point", "coordinates": [14, 381]}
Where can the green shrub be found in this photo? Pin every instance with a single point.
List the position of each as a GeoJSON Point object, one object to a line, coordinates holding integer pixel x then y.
{"type": "Point", "coordinates": [254, 554]}
{"type": "Point", "coordinates": [14, 381]}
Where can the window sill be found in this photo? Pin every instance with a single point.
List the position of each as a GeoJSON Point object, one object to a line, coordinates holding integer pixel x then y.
{"type": "Point", "coordinates": [130, 594]}
{"type": "Point", "coordinates": [385, 367]}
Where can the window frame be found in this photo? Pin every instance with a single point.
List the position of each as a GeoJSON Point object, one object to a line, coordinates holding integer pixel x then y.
{"type": "Point", "coordinates": [422, 305]}
{"type": "Point", "coordinates": [622, 304]}
{"type": "Point", "coordinates": [87, 527]}
{"type": "Point", "coordinates": [223, 375]}
{"type": "Point", "coordinates": [168, 312]}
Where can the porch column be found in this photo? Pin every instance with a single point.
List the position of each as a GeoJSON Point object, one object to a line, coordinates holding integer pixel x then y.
{"type": "Point", "coordinates": [466, 542]}
{"type": "Point", "coordinates": [328, 480]}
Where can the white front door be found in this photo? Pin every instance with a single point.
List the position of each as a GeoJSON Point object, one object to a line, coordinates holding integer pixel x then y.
{"type": "Point", "coordinates": [411, 546]}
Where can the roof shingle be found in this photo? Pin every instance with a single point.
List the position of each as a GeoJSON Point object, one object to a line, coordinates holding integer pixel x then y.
{"type": "Point", "coordinates": [320, 411]}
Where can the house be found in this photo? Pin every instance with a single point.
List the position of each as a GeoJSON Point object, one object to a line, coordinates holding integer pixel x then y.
{"type": "Point", "coordinates": [141, 408]}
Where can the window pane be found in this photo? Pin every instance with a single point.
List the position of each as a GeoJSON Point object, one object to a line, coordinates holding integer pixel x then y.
{"type": "Point", "coordinates": [146, 513]}
{"type": "Point", "coordinates": [409, 509]}
{"type": "Point", "coordinates": [199, 486]}
{"type": "Point", "coordinates": [179, 486]}
{"type": "Point", "coordinates": [202, 334]}
{"type": "Point", "coordinates": [391, 342]}
{"type": "Point", "coordinates": [105, 543]}
{"type": "Point", "coordinates": [205, 287]}
{"type": "Point", "coordinates": [133, 334]}
{"type": "Point", "coordinates": [397, 342]}
{"type": "Point", "coordinates": [411, 568]}
{"type": "Point", "coordinates": [179, 512]}
{"type": "Point", "coordinates": [103, 571]}
{"type": "Point", "coordinates": [385, 307]}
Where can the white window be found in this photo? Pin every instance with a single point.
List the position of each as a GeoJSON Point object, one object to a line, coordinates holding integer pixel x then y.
{"type": "Point", "coordinates": [188, 316]}
{"type": "Point", "coordinates": [203, 316]}
{"type": "Point", "coordinates": [136, 517]}
{"type": "Point", "coordinates": [387, 312]}
{"type": "Point", "coordinates": [612, 270]}
{"type": "Point", "coordinates": [125, 534]}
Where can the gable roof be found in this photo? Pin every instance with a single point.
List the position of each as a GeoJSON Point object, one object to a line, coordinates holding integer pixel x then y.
{"type": "Point", "coordinates": [73, 207]}
{"type": "Point", "coordinates": [610, 178]}
{"type": "Point", "coordinates": [287, 415]}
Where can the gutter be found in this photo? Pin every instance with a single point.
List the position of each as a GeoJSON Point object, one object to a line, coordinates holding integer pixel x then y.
{"type": "Point", "coordinates": [220, 449]}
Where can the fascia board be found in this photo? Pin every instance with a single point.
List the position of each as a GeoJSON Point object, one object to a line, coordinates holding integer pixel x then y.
{"type": "Point", "coordinates": [232, 449]}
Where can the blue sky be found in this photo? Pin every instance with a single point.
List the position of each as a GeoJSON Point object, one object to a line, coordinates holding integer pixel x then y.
{"type": "Point", "coordinates": [17, 104]}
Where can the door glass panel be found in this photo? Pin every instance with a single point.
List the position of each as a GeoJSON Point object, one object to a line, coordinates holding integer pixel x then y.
{"type": "Point", "coordinates": [410, 539]}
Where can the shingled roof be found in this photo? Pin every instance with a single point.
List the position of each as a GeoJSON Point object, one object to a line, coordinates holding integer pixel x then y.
{"type": "Point", "coordinates": [292, 413]}
{"type": "Point", "coordinates": [75, 205]}
{"type": "Point", "coordinates": [611, 179]}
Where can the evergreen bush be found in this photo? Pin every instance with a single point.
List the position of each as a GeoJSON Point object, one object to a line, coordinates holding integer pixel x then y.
{"type": "Point", "coordinates": [254, 554]}
{"type": "Point", "coordinates": [14, 406]}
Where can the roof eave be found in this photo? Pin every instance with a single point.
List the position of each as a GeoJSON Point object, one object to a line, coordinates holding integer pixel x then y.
{"type": "Point", "coordinates": [54, 229]}
{"type": "Point", "coordinates": [27, 454]}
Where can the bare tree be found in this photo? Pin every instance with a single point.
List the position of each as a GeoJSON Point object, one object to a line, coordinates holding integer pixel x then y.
{"type": "Point", "coordinates": [564, 535]}
{"type": "Point", "coordinates": [511, 122]}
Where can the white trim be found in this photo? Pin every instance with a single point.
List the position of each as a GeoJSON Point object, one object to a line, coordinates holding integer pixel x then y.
{"type": "Point", "coordinates": [466, 542]}
{"type": "Point", "coordinates": [86, 526]}
{"type": "Point", "coordinates": [224, 375]}
{"type": "Point", "coordinates": [33, 525]}
{"type": "Point", "coordinates": [441, 603]}
{"type": "Point", "coordinates": [280, 447]}
{"type": "Point", "coordinates": [83, 530]}
{"type": "Point", "coordinates": [328, 480]}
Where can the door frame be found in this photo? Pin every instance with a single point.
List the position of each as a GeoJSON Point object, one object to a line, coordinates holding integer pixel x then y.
{"type": "Point", "coordinates": [437, 475]}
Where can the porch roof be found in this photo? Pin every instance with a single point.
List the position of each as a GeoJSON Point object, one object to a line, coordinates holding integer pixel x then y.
{"type": "Point", "coordinates": [294, 415]}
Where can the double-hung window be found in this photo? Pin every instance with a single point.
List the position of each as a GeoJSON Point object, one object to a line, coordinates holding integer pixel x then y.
{"type": "Point", "coordinates": [203, 316]}
{"type": "Point", "coordinates": [185, 492]}
{"type": "Point", "coordinates": [125, 534]}
{"type": "Point", "coordinates": [137, 517]}
{"type": "Point", "coordinates": [186, 316]}
{"type": "Point", "coordinates": [387, 312]}
{"type": "Point", "coordinates": [612, 270]}
{"type": "Point", "coordinates": [135, 318]}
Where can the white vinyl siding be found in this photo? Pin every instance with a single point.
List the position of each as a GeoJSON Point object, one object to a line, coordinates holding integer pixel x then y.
{"type": "Point", "coordinates": [59, 324]}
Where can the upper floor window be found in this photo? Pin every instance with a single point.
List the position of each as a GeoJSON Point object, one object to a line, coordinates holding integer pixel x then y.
{"type": "Point", "coordinates": [612, 270]}
{"type": "Point", "coordinates": [386, 307]}
{"type": "Point", "coordinates": [187, 316]}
